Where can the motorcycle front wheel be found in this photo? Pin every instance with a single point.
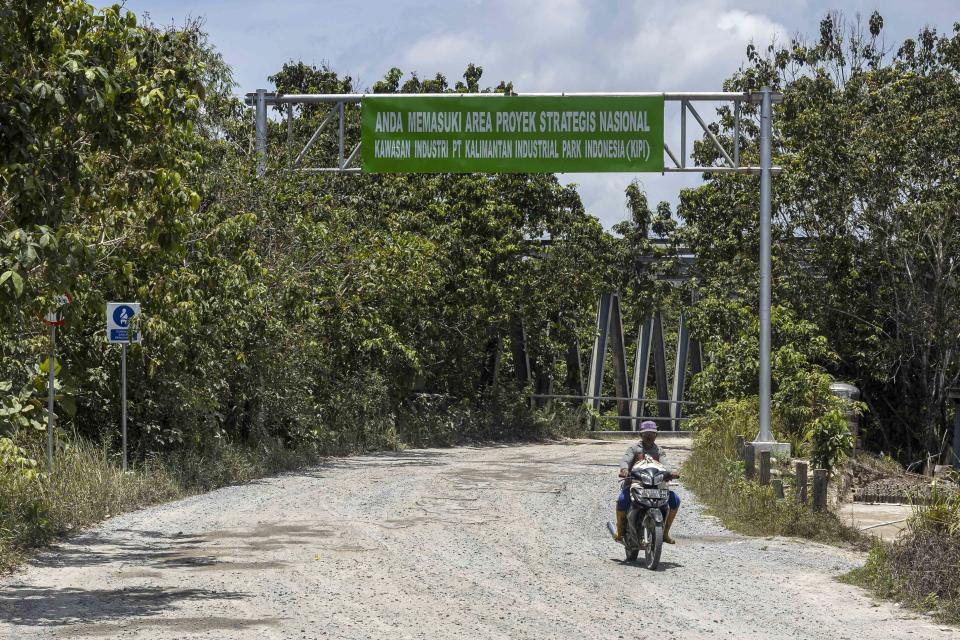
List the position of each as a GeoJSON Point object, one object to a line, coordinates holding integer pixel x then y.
{"type": "Point", "coordinates": [632, 538]}
{"type": "Point", "coordinates": [653, 536]}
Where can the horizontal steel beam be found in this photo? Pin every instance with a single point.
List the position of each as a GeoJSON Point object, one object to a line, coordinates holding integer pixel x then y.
{"type": "Point", "coordinates": [330, 170]}
{"type": "Point", "coordinates": [750, 170]}
{"type": "Point", "coordinates": [644, 418]}
{"type": "Point", "coordinates": [262, 99]}
{"type": "Point", "coordinates": [700, 96]}
{"type": "Point", "coordinates": [572, 397]}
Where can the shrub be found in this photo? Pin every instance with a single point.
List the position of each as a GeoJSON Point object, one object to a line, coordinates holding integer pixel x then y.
{"type": "Point", "coordinates": [920, 568]}
{"type": "Point", "coordinates": [830, 440]}
{"type": "Point", "coordinates": [715, 474]}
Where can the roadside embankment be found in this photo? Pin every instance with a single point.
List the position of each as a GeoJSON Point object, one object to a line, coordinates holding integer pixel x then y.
{"type": "Point", "coordinates": [715, 473]}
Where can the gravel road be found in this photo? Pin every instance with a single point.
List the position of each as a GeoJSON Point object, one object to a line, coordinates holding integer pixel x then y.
{"type": "Point", "coordinates": [493, 542]}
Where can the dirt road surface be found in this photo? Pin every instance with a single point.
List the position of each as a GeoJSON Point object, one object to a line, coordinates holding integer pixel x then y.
{"type": "Point", "coordinates": [496, 542]}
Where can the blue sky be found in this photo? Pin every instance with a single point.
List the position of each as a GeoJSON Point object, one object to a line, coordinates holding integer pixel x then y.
{"type": "Point", "coordinates": [559, 45]}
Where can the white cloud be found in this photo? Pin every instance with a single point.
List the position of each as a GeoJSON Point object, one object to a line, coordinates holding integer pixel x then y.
{"type": "Point", "coordinates": [573, 46]}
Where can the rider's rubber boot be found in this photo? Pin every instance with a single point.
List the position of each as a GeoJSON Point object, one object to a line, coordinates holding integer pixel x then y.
{"type": "Point", "coordinates": [621, 525]}
{"type": "Point", "coordinates": [666, 526]}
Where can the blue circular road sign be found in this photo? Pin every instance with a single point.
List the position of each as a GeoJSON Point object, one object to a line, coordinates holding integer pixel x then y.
{"type": "Point", "coordinates": [122, 315]}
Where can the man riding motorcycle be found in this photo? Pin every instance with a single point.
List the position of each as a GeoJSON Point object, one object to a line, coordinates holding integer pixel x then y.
{"type": "Point", "coordinates": [646, 447]}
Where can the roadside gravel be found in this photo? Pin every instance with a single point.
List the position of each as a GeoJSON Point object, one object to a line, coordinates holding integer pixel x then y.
{"type": "Point", "coordinates": [492, 542]}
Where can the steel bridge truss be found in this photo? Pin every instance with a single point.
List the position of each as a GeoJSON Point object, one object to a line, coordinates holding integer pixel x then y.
{"type": "Point", "coordinates": [347, 162]}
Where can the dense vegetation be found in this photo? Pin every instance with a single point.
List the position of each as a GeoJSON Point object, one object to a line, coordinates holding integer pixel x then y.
{"type": "Point", "coordinates": [919, 568]}
{"type": "Point", "coordinates": [716, 474]}
{"type": "Point", "coordinates": [291, 307]}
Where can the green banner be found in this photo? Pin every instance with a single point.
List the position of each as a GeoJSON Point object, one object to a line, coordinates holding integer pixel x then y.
{"type": "Point", "coordinates": [511, 134]}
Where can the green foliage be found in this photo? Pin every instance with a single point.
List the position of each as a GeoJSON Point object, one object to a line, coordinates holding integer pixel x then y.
{"type": "Point", "coordinates": [290, 308]}
{"type": "Point", "coordinates": [830, 440]}
{"type": "Point", "coordinates": [717, 429]}
{"type": "Point", "coordinates": [15, 461]}
{"type": "Point", "coordinates": [865, 229]}
{"type": "Point", "coordinates": [801, 388]}
{"type": "Point", "coordinates": [875, 574]}
{"type": "Point", "coordinates": [750, 508]}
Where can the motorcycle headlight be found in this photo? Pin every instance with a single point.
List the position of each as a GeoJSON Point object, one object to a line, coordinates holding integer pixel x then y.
{"type": "Point", "coordinates": [650, 477]}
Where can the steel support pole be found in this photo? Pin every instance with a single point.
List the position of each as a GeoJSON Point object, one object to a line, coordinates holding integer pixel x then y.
{"type": "Point", "coordinates": [595, 379]}
{"type": "Point", "coordinates": [51, 391]}
{"type": "Point", "coordinates": [641, 369]}
{"type": "Point", "coordinates": [340, 133]}
{"type": "Point", "coordinates": [683, 134]}
{"type": "Point", "coordinates": [261, 135]}
{"type": "Point", "coordinates": [765, 165]}
{"type": "Point", "coordinates": [289, 135]}
{"type": "Point", "coordinates": [660, 372]}
{"type": "Point", "coordinates": [680, 372]}
{"type": "Point", "coordinates": [619, 361]}
{"type": "Point", "coordinates": [123, 402]}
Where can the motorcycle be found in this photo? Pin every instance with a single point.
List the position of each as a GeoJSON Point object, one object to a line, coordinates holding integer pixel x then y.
{"type": "Point", "coordinates": [648, 498]}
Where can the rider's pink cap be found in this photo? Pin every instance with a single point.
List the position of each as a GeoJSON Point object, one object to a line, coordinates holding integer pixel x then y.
{"type": "Point", "coordinates": [648, 425]}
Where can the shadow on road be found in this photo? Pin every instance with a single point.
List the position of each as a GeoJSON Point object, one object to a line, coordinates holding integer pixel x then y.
{"type": "Point", "coordinates": [155, 550]}
{"type": "Point", "coordinates": [25, 605]}
{"type": "Point", "coordinates": [372, 461]}
{"type": "Point", "coordinates": [188, 627]}
{"type": "Point", "coordinates": [664, 566]}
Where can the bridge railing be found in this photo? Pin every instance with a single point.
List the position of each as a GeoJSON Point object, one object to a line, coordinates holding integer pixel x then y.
{"type": "Point", "coordinates": [674, 421]}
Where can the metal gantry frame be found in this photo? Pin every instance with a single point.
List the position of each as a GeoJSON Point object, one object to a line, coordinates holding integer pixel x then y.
{"type": "Point", "coordinates": [262, 100]}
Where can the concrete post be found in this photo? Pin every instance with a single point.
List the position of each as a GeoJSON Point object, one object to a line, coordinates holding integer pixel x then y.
{"type": "Point", "coordinates": [852, 394]}
{"type": "Point", "coordinates": [819, 489]}
{"type": "Point", "coordinates": [749, 462]}
{"type": "Point", "coordinates": [800, 493]}
{"type": "Point", "coordinates": [764, 467]}
{"type": "Point", "coordinates": [777, 485]}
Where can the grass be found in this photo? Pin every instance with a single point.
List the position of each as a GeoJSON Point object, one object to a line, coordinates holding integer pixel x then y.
{"type": "Point", "coordinates": [87, 486]}
{"type": "Point", "coordinates": [715, 475]}
{"type": "Point", "coordinates": [919, 569]}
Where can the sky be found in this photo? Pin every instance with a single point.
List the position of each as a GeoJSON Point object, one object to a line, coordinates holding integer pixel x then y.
{"type": "Point", "coordinates": [539, 45]}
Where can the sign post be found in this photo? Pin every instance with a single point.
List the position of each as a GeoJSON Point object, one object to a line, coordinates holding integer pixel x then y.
{"type": "Point", "coordinates": [120, 315]}
{"type": "Point", "coordinates": [54, 319]}
{"type": "Point", "coordinates": [51, 392]}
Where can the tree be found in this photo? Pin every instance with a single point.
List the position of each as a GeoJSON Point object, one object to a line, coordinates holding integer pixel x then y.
{"type": "Point", "coordinates": [865, 233]}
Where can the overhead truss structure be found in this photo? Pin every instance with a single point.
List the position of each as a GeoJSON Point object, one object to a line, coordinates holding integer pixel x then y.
{"type": "Point", "coordinates": [347, 161]}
